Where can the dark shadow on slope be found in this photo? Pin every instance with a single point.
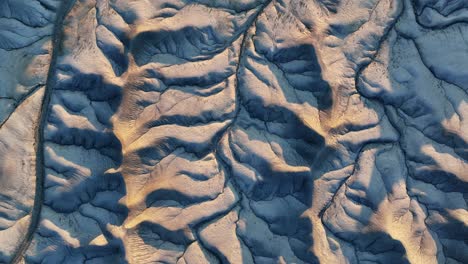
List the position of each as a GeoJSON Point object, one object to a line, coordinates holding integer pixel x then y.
{"type": "Point", "coordinates": [420, 165]}
{"type": "Point", "coordinates": [299, 67]}
{"type": "Point", "coordinates": [386, 249]}
{"type": "Point", "coordinates": [283, 193]}
{"type": "Point", "coordinates": [95, 194]}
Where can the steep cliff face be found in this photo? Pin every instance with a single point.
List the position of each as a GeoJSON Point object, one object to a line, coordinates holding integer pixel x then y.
{"type": "Point", "coordinates": [274, 131]}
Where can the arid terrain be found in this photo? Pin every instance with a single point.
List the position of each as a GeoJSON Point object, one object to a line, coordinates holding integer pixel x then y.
{"type": "Point", "coordinates": [234, 131]}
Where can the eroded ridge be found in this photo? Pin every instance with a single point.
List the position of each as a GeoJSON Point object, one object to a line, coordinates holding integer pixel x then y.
{"type": "Point", "coordinates": [255, 132]}
{"type": "Point", "coordinates": [26, 29]}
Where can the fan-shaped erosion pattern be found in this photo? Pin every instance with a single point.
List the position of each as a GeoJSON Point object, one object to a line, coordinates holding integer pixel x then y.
{"type": "Point", "coordinates": [253, 131]}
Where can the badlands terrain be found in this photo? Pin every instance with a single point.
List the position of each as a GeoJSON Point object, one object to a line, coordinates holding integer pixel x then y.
{"type": "Point", "coordinates": [234, 131]}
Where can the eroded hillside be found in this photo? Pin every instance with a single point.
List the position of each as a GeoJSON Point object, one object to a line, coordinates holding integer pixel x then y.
{"type": "Point", "coordinates": [200, 131]}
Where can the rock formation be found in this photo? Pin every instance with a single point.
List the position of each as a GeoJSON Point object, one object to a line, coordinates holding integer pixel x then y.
{"type": "Point", "coordinates": [247, 131]}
